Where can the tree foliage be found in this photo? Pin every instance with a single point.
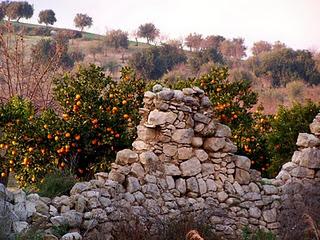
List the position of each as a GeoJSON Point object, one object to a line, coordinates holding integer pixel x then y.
{"type": "Point", "coordinates": [117, 39]}
{"type": "Point", "coordinates": [48, 17]}
{"type": "Point", "coordinates": [82, 20]}
{"type": "Point", "coordinates": [18, 9]}
{"type": "Point", "coordinates": [148, 31]}
{"type": "Point", "coordinates": [260, 47]}
{"type": "Point", "coordinates": [286, 126]}
{"type": "Point", "coordinates": [283, 65]}
{"type": "Point", "coordinates": [153, 62]}
{"type": "Point", "coordinates": [194, 41]}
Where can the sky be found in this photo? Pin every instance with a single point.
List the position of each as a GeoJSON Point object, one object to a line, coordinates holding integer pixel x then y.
{"type": "Point", "coordinates": [294, 22]}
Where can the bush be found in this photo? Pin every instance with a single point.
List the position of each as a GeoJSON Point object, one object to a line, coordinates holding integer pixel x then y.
{"type": "Point", "coordinates": [257, 235]}
{"type": "Point", "coordinates": [56, 184]}
{"type": "Point", "coordinates": [98, 119]}
{"type": "Point", "coordinates": [286, 126]}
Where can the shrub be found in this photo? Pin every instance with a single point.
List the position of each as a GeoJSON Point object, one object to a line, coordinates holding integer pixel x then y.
{"type": "Point", "coordinates": [286, 125]}
{"type": "Point", "coordinates": [98, 118]}
{"type": "Point", "coordinates": [257, 235]}
{"type": "Point", "coordinates": [55, 184]}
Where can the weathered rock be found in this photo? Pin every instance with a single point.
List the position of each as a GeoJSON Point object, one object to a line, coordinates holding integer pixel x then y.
{"type": "Point", "coordinates": [157, 117]}
{"type": "Point", "coordinates": [243, 162]}
{"type": "Point", "coordinates": [199, 117]}
{"type": "Point", "coordinates": [126, 156]}
{"type": "Point", "coordinates": [72, 218]}
{"type": "Point", "coordinates": [166, 95]}
{"type": "Point", "coordinates": [242, 176]}
{"type": "Point", "coordinates": [310, 158]}
{"type": "Point", "coordinates": [133, 184]}
{"type": "Point", "coordinates": [201, 155]}
{"type": "Point", "coordinates": [207, 169]}
{"type": "Point", "coordinates": [170, 149]}
{"type": "Point", "coordinates": [196, 142]}
{"type": "Point", "coordinates": [191, 167]}
{"type": "Point", "coordinates": [222, 196]}
{"type": "Point", "coordinates": [315, 125]}
{"type": "Point", "coordinates": [20, 226]}
{"type": "Point", "coordinates": [302, 172]}
{"type": "Point", "coordinates": [72, 236]}
{"type": "Point", "coordinates": [114, 175]}
{"type": "Point", "coordinates": [137, 170]}
{"type": "Point", "coordinates": [307, 140]}
{"type": "Point", "coordinates": [255, 212]}
{"type": "Point", "coordinates": [270, 215]}
{"type": "Point", "coordinates": [146, 134]}
{"type": "Point", "coordinates": [172, 170]}
{"type": "Point", "coordinates": [222, 131]}
{"type": "Point", "coordinates": [214, 144]}
{"type": "Point", "coordinates": [148, 157]}
{"type": "Point", "coordinates": [183, 135]}
{"type": "Point", "coordinates": [192, 185]}
{"type": "Point", "coordinates": [181, 185]}
{"type": "Point", "coordinates": [185, 153]}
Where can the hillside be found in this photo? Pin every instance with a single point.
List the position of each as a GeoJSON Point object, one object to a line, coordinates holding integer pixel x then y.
{"type": "Point", "coordinates": [112, 60]}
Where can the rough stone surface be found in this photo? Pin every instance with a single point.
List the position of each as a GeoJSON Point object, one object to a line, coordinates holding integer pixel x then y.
{"type": "Point", "coordinates": [190, 167]}
{"type": "Point", "coordinates": [182, 161]}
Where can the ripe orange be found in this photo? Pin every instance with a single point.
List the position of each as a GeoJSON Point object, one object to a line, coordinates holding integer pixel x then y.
{"type": "Point", "coordinates": [11, 162]}
{"type": "Point", "coordinates": [94, 121]}
{"type": "Point", "coordinates": [49, 136]}
{"type": "Point", "coordinates": [67, 135]}
{"type": "Point", "coordinates": [45, 126]}
{"type": "Point", "coordinates": [3, 174]}
{"type": "Point", "coordinates": [78, 96]}
{"type": "Point", "coordinates": [94, 141]}
{"type": "Point", "coordinates": [117, 135]}
{"type": "Point", "coordinates": [124, 102]}
{"type": "Point", "coordinates": [78, 103]}
{"type": "Point", "coordinates": [125, 116]}
{"type": "Point", "coordinates": [77, 137]}
{"type": "Point", "coordinates": [30, 149]}
{"type": "Point", "coordinates": [56, 138]}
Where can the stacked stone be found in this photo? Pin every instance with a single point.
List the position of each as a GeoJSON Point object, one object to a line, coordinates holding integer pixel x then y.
{"type": "Point", "coordinates": [305, 163]}
{"type": "Point", "coordinates": [182, 161]}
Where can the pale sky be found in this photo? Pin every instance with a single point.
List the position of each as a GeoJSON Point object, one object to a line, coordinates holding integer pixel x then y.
{"type": "Point", "coordinates": [294, 22]}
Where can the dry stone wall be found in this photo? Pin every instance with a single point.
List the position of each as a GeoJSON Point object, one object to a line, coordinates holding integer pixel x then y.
{"type": "Point", "coordinates": [182, 161]}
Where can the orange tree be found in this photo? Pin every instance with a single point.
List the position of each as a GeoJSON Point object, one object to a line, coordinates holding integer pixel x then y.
{"type": "Point", "coordinates": [23, 142]}
{"type": "Point", "coordinates": [99, 116]}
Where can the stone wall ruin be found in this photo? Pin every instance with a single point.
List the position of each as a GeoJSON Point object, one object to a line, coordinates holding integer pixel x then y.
{"type": "Point", "coordinates": [182, 161]}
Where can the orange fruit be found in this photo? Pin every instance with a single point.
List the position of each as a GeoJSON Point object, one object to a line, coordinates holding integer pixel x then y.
{"type": "Point", "coordinates": [45, 126]}
{"type": "Point", "coordinates": [125, 116]}
{"type": "Point", "coordinates": [67, 135]}
{"type": "Point", "coordinates": [94, 141]}
{"type": "Point", "coordinates": [49, 136]}
{"type": "Point", "coordinates": [77, 137]}
{"type": "Point", "coordinates": [94, 121]}
{"type": "Point", "coordinates": [56, 138]}
{"type": "Point", "coordinates": [3, 174]}
{"type": "Point", "coordinates": [78, 96]}
{"type": "Point", "coordinates": [30, 149]}
{"type": "Point", "coordinates": [78, 103]}
{"type": "Point", "coordinates": [124, 102]}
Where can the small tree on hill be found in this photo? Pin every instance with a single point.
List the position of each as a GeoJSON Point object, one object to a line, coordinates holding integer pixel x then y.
{"type": "Point", "coordinates": [194, 41]}
{"type": "Point", "coordinates": [47, 17]}
{"type": "Point", "coordinates": [82, 20]}
{"type": "Point", "coordinates": [148, 31]}
{"type": "Point", "coordinates": [17, 10]}
{"type": "Point", "coordinates": [117, 39]}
